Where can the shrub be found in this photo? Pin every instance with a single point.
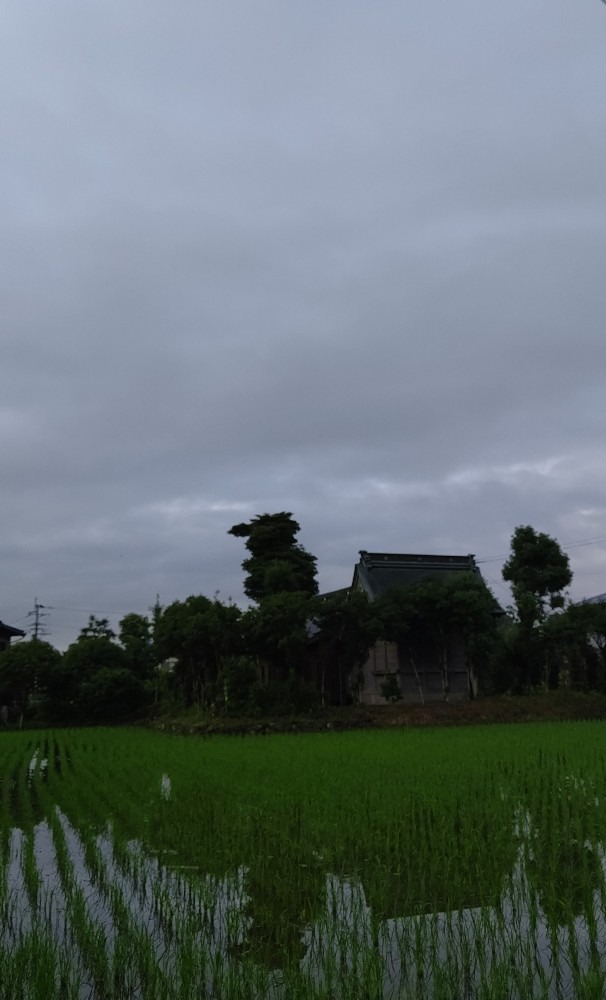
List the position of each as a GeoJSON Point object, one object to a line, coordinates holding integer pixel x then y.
{"type": "Point", "coordinates": [390, 688]}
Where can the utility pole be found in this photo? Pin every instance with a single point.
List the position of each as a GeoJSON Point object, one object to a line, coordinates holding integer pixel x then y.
{"type": "Point", "coordinates": [38, 628]}
{"type": "Point", "coordinates": [156, 611]}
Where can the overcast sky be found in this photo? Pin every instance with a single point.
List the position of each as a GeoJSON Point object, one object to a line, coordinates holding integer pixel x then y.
{"type": "Point", "coordinates": [341, 259]}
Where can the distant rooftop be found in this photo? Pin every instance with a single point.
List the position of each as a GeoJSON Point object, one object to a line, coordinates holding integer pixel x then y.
{"type": "Point", "coordinates": [9, 630]}
{"type": "Point", "coordinates": [377, 572]}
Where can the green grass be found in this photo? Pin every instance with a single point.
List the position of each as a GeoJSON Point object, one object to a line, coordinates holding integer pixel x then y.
{"type": "Point", "coordinates": [434, 863]}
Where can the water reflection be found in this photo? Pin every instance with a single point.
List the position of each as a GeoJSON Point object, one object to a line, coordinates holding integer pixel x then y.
{"type": "Point", "coordinates": [539, 939]}
{"type": "Point", "coordinates": [330, 930]}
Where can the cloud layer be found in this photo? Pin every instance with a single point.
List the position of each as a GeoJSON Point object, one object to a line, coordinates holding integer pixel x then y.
{"type": "Point", "coordinates": [347, 263]}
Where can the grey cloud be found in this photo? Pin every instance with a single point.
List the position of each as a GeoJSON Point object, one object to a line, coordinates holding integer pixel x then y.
{"type": "Point", "coordinates": [272, 257]}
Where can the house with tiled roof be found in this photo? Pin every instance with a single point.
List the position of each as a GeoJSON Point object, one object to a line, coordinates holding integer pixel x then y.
{"type": "Point", "coordinates": [418, 672]}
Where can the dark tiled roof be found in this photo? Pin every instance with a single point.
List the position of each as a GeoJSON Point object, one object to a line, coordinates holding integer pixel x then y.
{"type": "Point", "coordinates": [377, 572]}
{"type": "Point", "coordinates": [8, 630]}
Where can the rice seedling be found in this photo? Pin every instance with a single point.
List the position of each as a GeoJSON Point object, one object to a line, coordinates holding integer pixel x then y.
{"type": "Point", "coordinates": [440, 864]}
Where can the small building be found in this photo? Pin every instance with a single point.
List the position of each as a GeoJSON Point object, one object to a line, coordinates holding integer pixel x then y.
{"type": "Point", "coordinates": [417, 672]}
{"type": "Point", "coordinates": [168, 665]}
{"type": "Point", "coordinates": [7, 632]}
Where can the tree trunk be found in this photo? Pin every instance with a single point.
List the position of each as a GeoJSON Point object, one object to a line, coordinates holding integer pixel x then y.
{"type": "Point", "coordinates": [473, 681]}
{"type": "Point", "coordinates": [322, 683]}
{"type": "Point", "coordinates": [416, 673]}
{"type": "Point", "coordinates": [445, 679]}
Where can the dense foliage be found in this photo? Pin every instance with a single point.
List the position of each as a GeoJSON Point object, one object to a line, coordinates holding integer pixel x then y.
{"type": "Point", "coordinates": [294, 651]}
{"type": "Point", "coordinates": [277, 563]}
{"type": "Point", "coordinates": [549, 642]}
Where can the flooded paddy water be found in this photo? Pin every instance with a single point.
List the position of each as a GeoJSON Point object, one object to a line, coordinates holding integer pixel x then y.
{"type": "Point", "coordinates": [445, 864]}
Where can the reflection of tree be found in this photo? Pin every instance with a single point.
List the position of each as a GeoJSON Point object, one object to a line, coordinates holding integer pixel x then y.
{"type": "Point", "coordinates": [286, 891]}
{"type": "Point", "coordinates": [463, 883]}
{"type": "Point", "coordinates": [450, 858]}
{"type": "Point", "coordinates": [340, 945]}
{"type": "Point", "coordinates": [284, 881]}
{"type": "Point", "coordinates": [569, 894]}
{"type": "Point", "coordinates": [565, 873]}
{"type": "Point", "coordinates": [564, 876]}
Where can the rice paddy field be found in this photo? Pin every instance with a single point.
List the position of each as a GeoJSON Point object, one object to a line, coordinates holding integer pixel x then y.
{"type": "Point", "coordinates": [455, 864]}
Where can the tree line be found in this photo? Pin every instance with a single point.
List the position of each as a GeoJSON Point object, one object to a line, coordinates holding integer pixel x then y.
{"type": "Point", "coordinates": [280, 653]}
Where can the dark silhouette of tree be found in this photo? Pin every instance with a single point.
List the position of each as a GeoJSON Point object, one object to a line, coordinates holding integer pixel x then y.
{"type": "Point", "coordinates": [94, 682]}
{"type": "Point", "coordinates": [200, 633]}
{"type": "Point", "coordinates": [347, 628]}
{"type": "Point", "coordinates": [137, 641]}
{"type": "Point", "coordinates": [276, 632]}
{"type": "Point", "coordinates": [97, 628]}
{"type": "Point", "coordinates": [27, 668]}
{"type": "Point", "coordinates": [538, 571]}
{"type": "Point", "coordinates": [277, 563]}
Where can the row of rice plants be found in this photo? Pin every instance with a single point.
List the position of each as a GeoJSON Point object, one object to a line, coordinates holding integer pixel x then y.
{"type": "Point", "coordinates": [32, 963]}
{"type": "Point", "coordinates": [140, 956]}
{"type": "Point", "coordinates": [121, 952]}
{"type": "Point", "coordinates": [398, 863]}
{"type": "Point", "coordinates": [441, 886]}
{"type": "Point", "coordinates": [462, 847]}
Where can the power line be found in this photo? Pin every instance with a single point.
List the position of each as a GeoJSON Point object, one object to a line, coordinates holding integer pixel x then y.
{"type": "Point", "coordinates": [589, 541]}
{"type": "Point", "coordinates": [87, 611]}
{"type": "Point", "coordinates": [565, 545]}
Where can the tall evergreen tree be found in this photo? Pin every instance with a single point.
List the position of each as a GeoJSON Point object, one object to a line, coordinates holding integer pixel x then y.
{"type": "Point", "coordinates": [538, 571]}
{"type": "Point", "coordinates": [277, 563]}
